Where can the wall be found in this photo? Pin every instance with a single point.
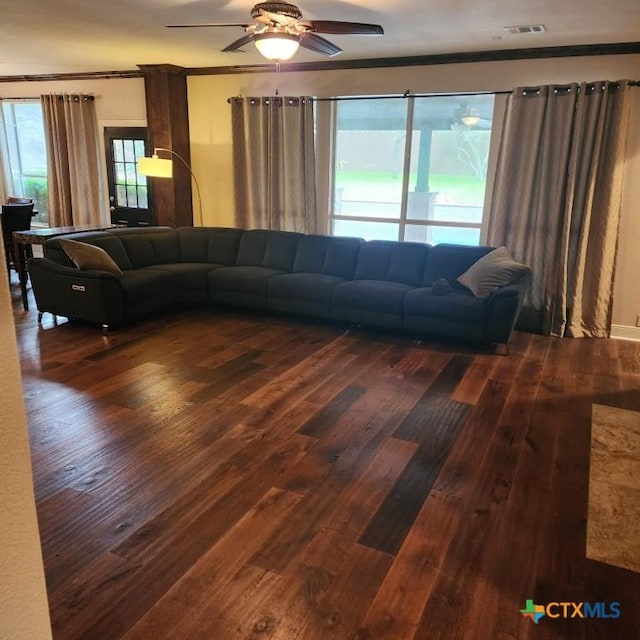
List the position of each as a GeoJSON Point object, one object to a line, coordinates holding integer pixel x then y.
{"type": "Point", "coordinates": [210, 125]}
{"type": "Point", "coordinates": [24, 613]}
{"type": "Point", "coordinates": [119, 102]}
{"type": "Point", "coordinates": [626, 292]}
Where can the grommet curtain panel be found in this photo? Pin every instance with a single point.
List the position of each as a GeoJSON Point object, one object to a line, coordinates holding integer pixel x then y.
{"type": "Point", "coordinates": [557, 197]}
{"type": "Point", "coordinates": [274, 164]}
{"type": "Point", "coordinates": [73, 159]}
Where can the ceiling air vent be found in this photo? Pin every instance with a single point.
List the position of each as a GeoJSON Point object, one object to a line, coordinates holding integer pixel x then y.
{"type": "Point", "coordinates": [526, 28]}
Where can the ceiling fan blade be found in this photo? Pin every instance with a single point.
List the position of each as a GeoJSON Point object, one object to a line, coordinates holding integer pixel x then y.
{"type": "Point", "coordinates": [315, 43]}
{"type": "Point", "coordinates": [345, 28]}
{"type": "Point", "coordinates": [239, 43]}
{"type": "Point", "coordinates": [207, 24]}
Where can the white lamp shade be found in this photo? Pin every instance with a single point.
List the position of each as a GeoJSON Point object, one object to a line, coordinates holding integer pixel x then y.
{"type": "Point", "coordinates": [276, 46]}
{"type": "Point", "coordinates": [155, 167]}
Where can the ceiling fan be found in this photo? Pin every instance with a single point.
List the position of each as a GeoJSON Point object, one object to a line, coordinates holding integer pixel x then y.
{"type": "Point", "coordinates": [278, 30]}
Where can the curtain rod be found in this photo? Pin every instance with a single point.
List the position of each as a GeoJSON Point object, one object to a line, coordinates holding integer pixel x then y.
{"type": "Point", "coordinates": [408, 94]}
{"type": "Point", "coordinates": [85, 97]}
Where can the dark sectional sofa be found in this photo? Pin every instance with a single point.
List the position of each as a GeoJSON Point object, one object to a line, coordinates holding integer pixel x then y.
{"type": "Point", "coordinates": [378, 283]}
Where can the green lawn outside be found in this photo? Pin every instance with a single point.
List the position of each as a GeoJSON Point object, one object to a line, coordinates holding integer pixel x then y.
{"type": "Point", "coordinates": [458, 189]}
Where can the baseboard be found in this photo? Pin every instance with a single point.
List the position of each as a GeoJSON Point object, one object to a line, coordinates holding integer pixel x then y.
{"type": "Point", "coordinates": [625, 332]}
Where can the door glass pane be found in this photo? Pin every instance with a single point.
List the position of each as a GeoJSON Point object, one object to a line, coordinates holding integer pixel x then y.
{"type": "Point", "coordinates": [120, 174]}
{"type": "Point", "coordinates": [118, 151]}
{"type": "Point", "coordinates": [139, 148]}
{"type": "Point", "coordinates": [143, 201]}
{"type": "Point", "coordinates": [131, 173]}
{"type": "Point", "coordinates": [129, 153]}
{"type": "Point", "coordinates": [121, 195]}
{"type": "Point", "coordinates": [132, 196]}
{"type": "Point", "coordinates": [369, 157]}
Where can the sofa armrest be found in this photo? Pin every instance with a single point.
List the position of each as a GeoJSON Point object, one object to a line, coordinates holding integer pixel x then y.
{"type": "Point", "coordinates": [92, 296]}
{"type": "Point", "coordinates": [504, 308]}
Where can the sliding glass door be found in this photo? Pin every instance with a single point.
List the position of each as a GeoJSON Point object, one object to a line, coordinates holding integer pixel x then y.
{"type": "Point", "coordinates": [411, 169]}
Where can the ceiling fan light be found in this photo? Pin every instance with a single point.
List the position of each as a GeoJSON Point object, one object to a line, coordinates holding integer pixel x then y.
{"type": "Point", "coordinates": [276, 46]}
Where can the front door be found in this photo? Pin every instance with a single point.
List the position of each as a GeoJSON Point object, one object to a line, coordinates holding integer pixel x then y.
{"type": "Point", "coordinates": [129, 195]}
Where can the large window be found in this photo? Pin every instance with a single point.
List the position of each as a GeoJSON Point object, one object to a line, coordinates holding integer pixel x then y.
{"type": "Point", "coordinates": [412, 169]}
{"type": "Point", "coordinates": [26, 154]}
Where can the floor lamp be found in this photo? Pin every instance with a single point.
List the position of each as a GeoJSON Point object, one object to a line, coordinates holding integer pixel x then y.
{"type": "Point", "coordinates": [156, 167]}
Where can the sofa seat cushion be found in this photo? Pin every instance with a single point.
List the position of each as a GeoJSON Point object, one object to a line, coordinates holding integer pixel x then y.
{"type": "Point", "coordinates": [312, 287]}
{"type": "Point", "coordinates": [241, 285]}
{"type": "Point", "coordinates": [369, 302]}
{"type": "Point", "coordinates": [457, 305]}
{"type": "Point", "coordinates": [371, 294]}
{"type": "Point", "coordinates": [307, 294]}
{"type": "Point", "coordinates": [139, 284]}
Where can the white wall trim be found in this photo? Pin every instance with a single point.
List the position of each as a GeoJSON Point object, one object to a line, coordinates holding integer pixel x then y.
{"type": "Point", "coordinates": [625, 332]}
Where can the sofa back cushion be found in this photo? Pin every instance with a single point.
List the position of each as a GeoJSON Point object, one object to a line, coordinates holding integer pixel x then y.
{"type": "Point", "coordinates": [267, 248]}
{"type": "Point", "coordinates": [149, 246]}
{"type": "Point", "coordinates": [218, 245]}
{"type": "Point", "coordinates": [328, 255]}
{"type": "Point", "coordinates": [449, 261]}
{"type": "Point", "coordinates": [401, 262]}
{"type": "Point", "coordinates": [103, 239]}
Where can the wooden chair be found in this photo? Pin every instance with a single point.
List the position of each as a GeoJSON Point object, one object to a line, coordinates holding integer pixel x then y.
{"type": "Point", "coordinates": [15, 217]}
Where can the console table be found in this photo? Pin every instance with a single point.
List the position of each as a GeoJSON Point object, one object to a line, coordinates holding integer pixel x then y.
{"type": "Point", "coordinates": [23, 241]}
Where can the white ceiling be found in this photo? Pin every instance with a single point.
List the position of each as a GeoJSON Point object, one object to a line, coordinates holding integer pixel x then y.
{"type": "Point", "coordinates": [69, 36]}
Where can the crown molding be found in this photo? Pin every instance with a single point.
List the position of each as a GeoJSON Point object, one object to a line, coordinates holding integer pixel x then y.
{"type": "Point", "coordinates": [496, 55]}
{"type": "Point", "coordinates": [86, 75]}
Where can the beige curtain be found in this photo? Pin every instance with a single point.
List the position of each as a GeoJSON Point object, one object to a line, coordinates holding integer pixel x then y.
{"type": "Point", "coordinates": [557, 197]}
{"type": "Point", "coordinates": [74, 179]}
{"type": "Point", "coordinates": [274, 164]}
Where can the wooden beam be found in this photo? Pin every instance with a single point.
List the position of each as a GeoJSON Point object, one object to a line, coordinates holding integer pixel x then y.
{"type": "Point", "coordinates": [168, 126]}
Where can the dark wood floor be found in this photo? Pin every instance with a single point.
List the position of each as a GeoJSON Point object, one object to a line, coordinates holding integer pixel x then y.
{"type": "Point", "coordinates": [219, 476]}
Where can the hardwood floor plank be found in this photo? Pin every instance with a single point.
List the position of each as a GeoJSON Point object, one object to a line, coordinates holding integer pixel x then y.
{"type": "Point", "coordinates": [285, 607]}
{"type": "Point", "coordinates": [324, 473]}
{"type": "Point", "coordinates": [435, 403]}
{"type": "Point", "coordinates": [331, 412]}
{"type": "Point", "coordinates": [396, 610]}
{"type": "Point", "coordinates": [212, 572]}
{"type": "Point", "coordinates": [438, 433]}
